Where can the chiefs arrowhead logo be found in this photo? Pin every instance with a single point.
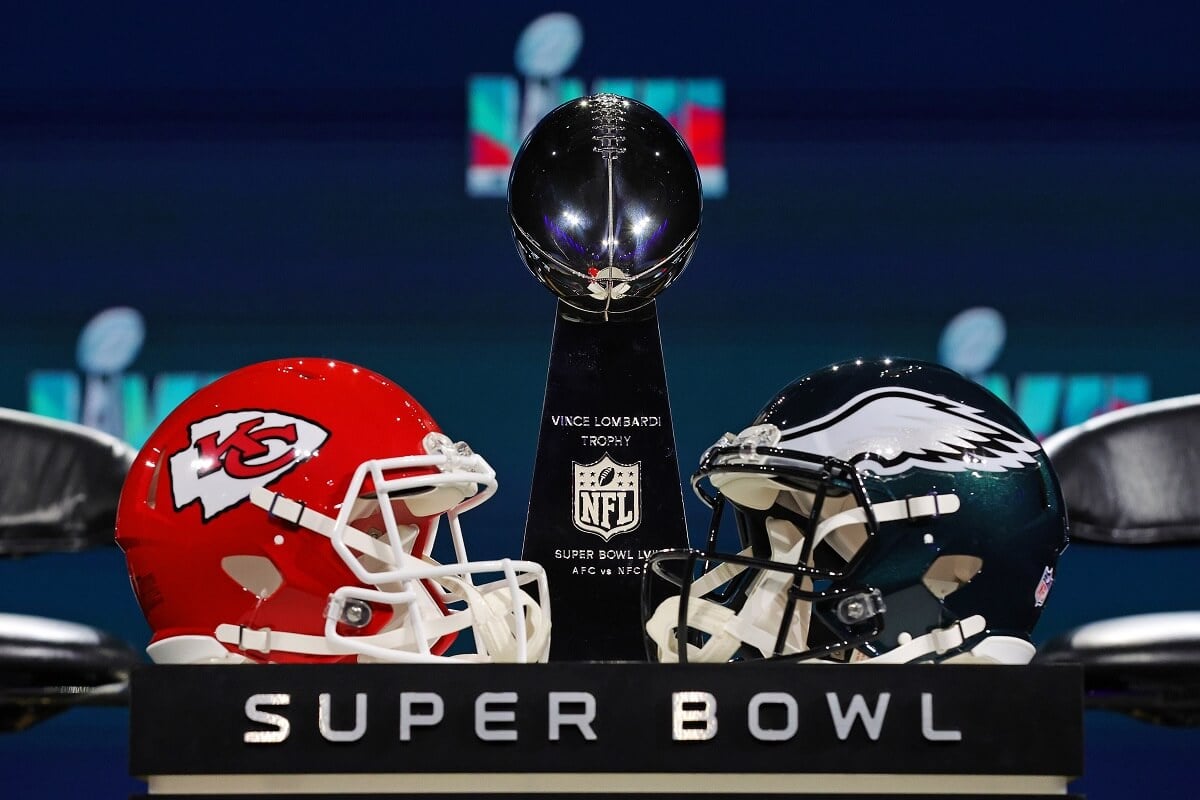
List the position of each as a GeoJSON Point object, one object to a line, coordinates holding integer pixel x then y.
{"type": "Point", "coordinates": [235, 452]}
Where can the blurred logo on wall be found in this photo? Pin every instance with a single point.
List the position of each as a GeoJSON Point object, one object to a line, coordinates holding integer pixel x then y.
{"type": "Point", "coordinates": [502, 109]}
{"type": "Point", "coordinates": [104, 393]}
{"type": "Point", "coordinates": [973, 341]}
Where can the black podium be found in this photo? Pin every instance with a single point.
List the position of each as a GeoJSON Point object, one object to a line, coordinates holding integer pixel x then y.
{"type": "Point", "coordinates": [601, 730]}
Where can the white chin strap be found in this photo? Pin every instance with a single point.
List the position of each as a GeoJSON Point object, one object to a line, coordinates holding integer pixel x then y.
{"type": "Point", "coordinates": [507, 623]}
{"type": "Point", "coordinates": [757, 622]}
{"type": "Point", "coordinates": [505, 630]}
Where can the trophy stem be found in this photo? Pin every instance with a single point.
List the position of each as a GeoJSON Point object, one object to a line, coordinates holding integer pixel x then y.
{"type": "Point", "coordinates": [606, 490]}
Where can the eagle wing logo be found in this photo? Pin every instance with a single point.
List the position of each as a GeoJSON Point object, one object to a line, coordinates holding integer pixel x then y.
{"type": "Point", "coordinates": [889, 431]}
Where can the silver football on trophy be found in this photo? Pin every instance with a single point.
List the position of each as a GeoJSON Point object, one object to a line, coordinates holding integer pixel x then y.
{"type": "Point", "coordinates": [604, 200]}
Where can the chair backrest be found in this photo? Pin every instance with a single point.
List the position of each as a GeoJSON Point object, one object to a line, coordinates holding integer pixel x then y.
{"type": "Point", "coordinates": [1132, 476]}
{"type": "Point", "coordinates": [59, 484]}
{"type": "Point", "coordinates": [48, 666]}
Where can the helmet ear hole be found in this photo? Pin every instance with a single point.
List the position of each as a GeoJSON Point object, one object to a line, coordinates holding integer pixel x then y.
{"type": "Point", "coordinates": [950, 573]}
{"type": "Point", "coordinates": [255, 574]}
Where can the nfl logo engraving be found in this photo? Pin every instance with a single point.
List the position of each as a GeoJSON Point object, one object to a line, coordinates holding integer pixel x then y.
{"type": "Point", "coordinates": [607, 497]}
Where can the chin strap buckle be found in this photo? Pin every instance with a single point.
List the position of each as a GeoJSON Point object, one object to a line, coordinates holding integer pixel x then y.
{"type": "Point", "coordinates": [256, 639]}
{"type": "Point", "coordinates": [953, 636]}
{"type": "Point", "coordinates": [244, 638]}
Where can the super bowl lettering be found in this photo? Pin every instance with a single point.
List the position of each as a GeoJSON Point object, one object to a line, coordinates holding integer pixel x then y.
{"type": "Point", "coordinates": [695, 716]}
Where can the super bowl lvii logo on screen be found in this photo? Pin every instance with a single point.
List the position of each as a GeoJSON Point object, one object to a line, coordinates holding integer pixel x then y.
{"type": "Point", "coordinates": [104, 392]}
{"type": "Point", "coordinates": [502, 109]}
{"type": "Point", "coordinates": [973, 341]}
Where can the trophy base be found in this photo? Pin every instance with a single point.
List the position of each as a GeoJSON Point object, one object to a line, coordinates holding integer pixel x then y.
{"type": "Point", "coordinates": [606, 489]}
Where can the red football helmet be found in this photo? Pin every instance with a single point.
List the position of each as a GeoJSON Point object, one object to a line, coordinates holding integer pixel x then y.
{"type": "Point", "coordinates": [287, 512]}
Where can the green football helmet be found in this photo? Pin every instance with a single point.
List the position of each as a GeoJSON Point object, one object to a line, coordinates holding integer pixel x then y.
{"type": "Point", "coordinates": [888, 510]}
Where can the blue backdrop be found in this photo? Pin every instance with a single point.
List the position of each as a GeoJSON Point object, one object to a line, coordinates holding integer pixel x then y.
{"type": "Point", "coordinates": [264, 180]}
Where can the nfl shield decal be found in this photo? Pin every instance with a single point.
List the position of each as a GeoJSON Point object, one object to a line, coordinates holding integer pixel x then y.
{"type": "Point", "coordinates": [1043, 588]}
{"type": "Point", "coordinates": [607, 497]}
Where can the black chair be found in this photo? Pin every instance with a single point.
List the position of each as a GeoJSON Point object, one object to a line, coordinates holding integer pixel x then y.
{"type": "Point", "coordinates": [1131, 478]}
{"type": "Point", "coordinates": [59, 486]}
